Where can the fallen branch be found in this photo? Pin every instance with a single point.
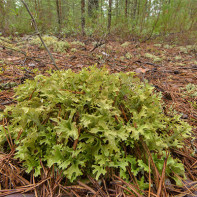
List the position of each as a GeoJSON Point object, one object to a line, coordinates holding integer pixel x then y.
{"type": "Point", "coordinates": [99, 43]}
{"type": "Point", "coordinates": [96, 46]}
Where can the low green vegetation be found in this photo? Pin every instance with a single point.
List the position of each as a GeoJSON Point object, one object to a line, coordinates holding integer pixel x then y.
{"type": "Point", "coordinates": [128, 55]}
{"type": "Point", "coordinates": [92, 123]}
{"type": "Point", "coordinates": [153, 57]}
{"type": "Point", "coordinates": [78, 43]}
{"type": "Point", "coordinates": [125, 44]}
{"type": "Point", "coordinates": [190, 90]}
{"type": "Point", "coordinates": [51, 42]}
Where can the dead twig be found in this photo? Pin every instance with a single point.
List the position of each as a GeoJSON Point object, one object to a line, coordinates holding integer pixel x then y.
{"type": "Point", "coordinates": [99, 43]}
{"type": "Point", "coordinates": [155, 170]}
{"type": "Point", "coordinates": [87, 187]}
{"type": "Point", "coordinates": [162, 176]}
{"type": "Point", "coordinates": [39, 35]}
{"type": "Point", "coordinates": [129, 186]}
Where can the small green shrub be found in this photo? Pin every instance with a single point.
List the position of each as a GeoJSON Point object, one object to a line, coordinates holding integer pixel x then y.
{"type": "Point", "coordinates": [90, 122]}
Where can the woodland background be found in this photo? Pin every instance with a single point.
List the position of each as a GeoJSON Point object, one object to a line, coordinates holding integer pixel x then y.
{"type": "Point", "coordinates": [139, 19]}
{"type": "Point", "coordinates": [155, 39]}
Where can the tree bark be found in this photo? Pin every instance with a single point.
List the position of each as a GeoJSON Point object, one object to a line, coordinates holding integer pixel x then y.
{"type": "Point", "coordinates": [83, 16]}
{"type": "Point", "coordinates": [126, 8]}
{"type": "Point", "coordinates": [58, 6]}
{"type": "Point", "coordinates": [134, 9]}
{"type": "Point", "coordinates": [2, 19]}
{"type": "Point", "coordinates": [109, 16]}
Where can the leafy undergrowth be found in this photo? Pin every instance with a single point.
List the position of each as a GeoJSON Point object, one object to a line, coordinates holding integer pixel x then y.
{"type": "Point", "coordinates": [96, 124]}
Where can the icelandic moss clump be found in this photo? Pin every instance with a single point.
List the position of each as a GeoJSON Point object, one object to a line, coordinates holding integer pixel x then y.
{"type": "Point", "coordinates": [52, 42]}
{"type": "Point", "coordinates": [92, 122]}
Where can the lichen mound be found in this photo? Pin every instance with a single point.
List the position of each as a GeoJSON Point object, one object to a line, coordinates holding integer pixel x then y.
{"type": "Point", "coordinates": [92, 123]}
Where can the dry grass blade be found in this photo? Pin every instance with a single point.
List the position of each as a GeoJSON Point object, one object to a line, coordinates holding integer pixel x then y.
{"type": "Point", "coordinates": [46, 174]}
{"type": "Point", "coordinates": [162, 176]}
{"type": "Point", "coordinates": [95, 183]}
{"type": "Point", "coordinates": [75, 193]}
{"type": "Point", "coordinates": [149, 177]}
{"type": "Point", "coordinates": [35, 191]}
{"type": "Point", "coordinates": [104, 183]}
{"type": "Point", "coordinates": [194, 163]}
{"type": "Point", "coordinates": [10, 172]}
{"type": "Point", "coordinates": [129, 185]}
{"type": "Point", "coordinates": [155, 170]}
{"type": "Point", "coordinates": [183, 154]}
{"type": "Point", "coordinates": [65, 190]}
{"type": "Point", "coordinates": [124, 188]}
{"type": "Point", "coordinates": [87, 187]}
{"type": "Point", "coordinates": [188, 189]}
{"type": "Point", "coordinates": [22, 189]}
{"type": "Point", "coordinates": [9, 140]}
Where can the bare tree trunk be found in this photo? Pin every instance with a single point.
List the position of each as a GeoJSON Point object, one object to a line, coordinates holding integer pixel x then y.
{"type": "Point", "coordinates": [58, 6]}
{"type": "Point", "coordinates": [2, 19]}
{"type": "Point", "coordinates": [109, 15]}
{"type": "Point", "coordinates": [126, 8]}
{"type": "Point", "coordinates": [83, 16]}
{"type": "Point", "coordinates": [134, 9]}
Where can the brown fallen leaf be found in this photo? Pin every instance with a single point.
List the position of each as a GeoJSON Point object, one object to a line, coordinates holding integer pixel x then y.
{"type": "Point", "coordinates": [141, 70]}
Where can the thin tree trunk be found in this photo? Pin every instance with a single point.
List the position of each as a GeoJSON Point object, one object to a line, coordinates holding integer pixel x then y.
{"type": "Point", "coordinates": [126, 8]}
{"type": "Point", "coordinates": [2, 19]}
{"type": "Point", "coordinates": [83, 16]}
{"type": "Point", "coordinates": [58, 6]}
{"type": "Point", "coordinates": [134, 9]}
{"type": "Point", "coordinates": [117, 10]}
{"type": "Point", "coordinates": [109, 16]}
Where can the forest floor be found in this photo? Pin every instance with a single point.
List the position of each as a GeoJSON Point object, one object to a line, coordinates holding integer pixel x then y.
{"type": "Point", "coordinates": [171, 69]}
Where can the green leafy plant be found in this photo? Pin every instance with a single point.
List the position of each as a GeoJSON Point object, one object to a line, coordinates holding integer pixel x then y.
{"type": "Point", "coordinates": [91, 122]}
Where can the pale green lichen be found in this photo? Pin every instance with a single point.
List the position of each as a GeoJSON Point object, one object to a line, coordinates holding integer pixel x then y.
{"type": "Point", "coordinates": [51, 42]}
{"type": "Point", "coordinates": [153, 57]}
{"type": "Point", "coordinates": [125, 44]}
